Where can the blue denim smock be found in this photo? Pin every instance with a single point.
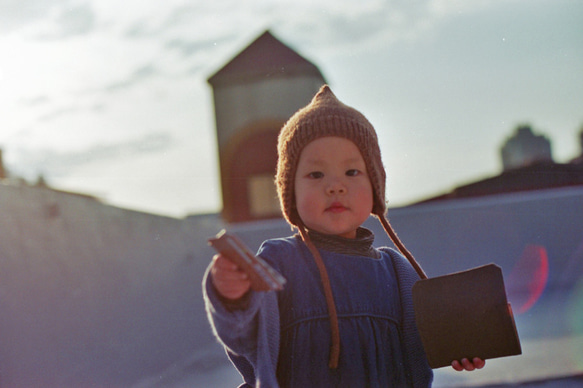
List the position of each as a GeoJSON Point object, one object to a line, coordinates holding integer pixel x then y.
{"type": "Point", "coordinates": [368, 304]}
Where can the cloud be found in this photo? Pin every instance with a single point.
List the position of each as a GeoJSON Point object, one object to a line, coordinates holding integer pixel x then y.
{"type": "Point", "coordinates": [154, 26]}
{"type": "Point", "coordinates": [353, 26]}
{"type": "Point", "coordinates": [95, 100]}
{"type": "Point", "coordinates": [34, 101]}
{"type": "Point", "coordinates": [16, 14]}
{"type": "Point", "coordinates": [74, 21]}
{"type": "Point", "coordinates": [139, 75]}
{"type": "Point", "coordinates": [190, 31]}
{"type": "Point", "coordinates": [67, 22]}
{"type": "Point", "coordinates": [47, 20]}
{"type": "Point", "coordinates": [51, 163]}
{"type": "Point", "coordinates": [58, 112]}
{"type": "Point", "coordinates": [190, 47]}
{"type": "Point", "coordinates": [141, 29]}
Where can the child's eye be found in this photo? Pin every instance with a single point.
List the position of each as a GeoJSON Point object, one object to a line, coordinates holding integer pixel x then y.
{"type": "Point", "coordinates": [315, 175]}
{"type": "Point", "coordinates": [353, 172]}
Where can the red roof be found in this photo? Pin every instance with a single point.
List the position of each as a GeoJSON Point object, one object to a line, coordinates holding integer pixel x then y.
{"type": "Point", "coordinates": [264, 57]}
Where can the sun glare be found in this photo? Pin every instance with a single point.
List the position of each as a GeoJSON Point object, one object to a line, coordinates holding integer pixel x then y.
{"type": "Point", "coordinates": [529, 277]}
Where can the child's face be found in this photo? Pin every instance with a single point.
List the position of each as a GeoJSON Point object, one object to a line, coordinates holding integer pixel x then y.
{"type": "Point", "coordinates": [332, 190]}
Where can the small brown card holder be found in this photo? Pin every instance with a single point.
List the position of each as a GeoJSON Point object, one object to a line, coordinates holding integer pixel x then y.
{"type": "Point", "coordinates": [465, 315]}
{"type": "Point", "coordinates": [262, 276]}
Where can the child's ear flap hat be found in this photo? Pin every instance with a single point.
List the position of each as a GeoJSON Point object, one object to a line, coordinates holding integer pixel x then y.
{"type": "Point", "coordinates": [326, 116]}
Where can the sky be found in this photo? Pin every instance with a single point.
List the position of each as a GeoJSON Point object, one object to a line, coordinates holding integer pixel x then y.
{"type": "Point", "coordinates": [110, 98]}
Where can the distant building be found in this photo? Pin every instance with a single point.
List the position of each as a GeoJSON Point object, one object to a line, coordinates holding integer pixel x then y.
{"type": "Point", "coordinates": [528, 166]}
{"type": "Point", "coordinates": [579, 159]}
{"type": "Point", "coordinates": [254, 95]}
{"type": "Point", "coordinates": [525, 148]}
{"type": "Point", "coordinates": [3, 173]}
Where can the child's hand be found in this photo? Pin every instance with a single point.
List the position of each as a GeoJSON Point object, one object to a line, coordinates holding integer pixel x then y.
{"type": "Point", "coordinates": [228, 279]}
{"type": "Point", "coordinates": [465, 364]}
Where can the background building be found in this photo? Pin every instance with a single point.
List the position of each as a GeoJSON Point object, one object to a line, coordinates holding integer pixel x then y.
{"type": "Point", "coordinates": [525, 148]}
{"type": "Point", "coordinates": [528, 165]}
{"type": "Point", "coordinates": [254, 94]}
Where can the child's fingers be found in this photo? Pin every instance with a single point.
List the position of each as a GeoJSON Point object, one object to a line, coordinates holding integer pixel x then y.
{"type": "Point", "coordinates": [457, 366]}
{"type": "Point", "coordinates": [479, 363]}
{"type": "Point", "coordinates": [222, 262]}
{"type": "Point", "coordinates": [465, 364]}
{"type": "Point", "coordinates": [225, 270]}
{"type": "Point", "coordinates": [228, 279]}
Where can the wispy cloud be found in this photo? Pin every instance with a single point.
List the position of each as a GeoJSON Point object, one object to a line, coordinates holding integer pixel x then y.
{"type": "Point", "coordinates": [58, 112]}
{"type": "Point", "coordinates": [357, 25]}
{"type": "Point", "coordinates": [74, 21]}
{"type": "Point", "coordinates": [52, 163]}
{"type": "Point", "coordinates": [62, 111]}
{"type": "Point", "coordinates": [47, 20]}
{"type": "Point", "coordinates": [16, 14]}
{"type": "Point", "coordinates": [34, 101]}
{"type": "Point", "coordinates": [141, 29]}
{"type": "Point", "coordinates": [188, 47]}
{"type": "Point", "coordinates": [134, 78]}
{"type": "Point", "coordinates": [190, 17]}
{"type": "Point", "coordinates": [137, 76]}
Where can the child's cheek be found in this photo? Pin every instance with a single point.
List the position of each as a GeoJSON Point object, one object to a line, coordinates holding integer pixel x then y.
{"type": "Point", "coordinates": [307, 206]}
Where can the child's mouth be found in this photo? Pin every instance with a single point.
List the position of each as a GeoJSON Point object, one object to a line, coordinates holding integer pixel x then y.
{"type": "Point", "coordinates": [336, 208]}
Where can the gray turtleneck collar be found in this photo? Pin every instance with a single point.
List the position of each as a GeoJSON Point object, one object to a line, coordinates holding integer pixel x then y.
{"type": "Point", "coordinates": [359, 246]}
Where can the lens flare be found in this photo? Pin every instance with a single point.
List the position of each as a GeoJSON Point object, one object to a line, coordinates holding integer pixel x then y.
{"type": "Point", "coordinates": [528, 279]}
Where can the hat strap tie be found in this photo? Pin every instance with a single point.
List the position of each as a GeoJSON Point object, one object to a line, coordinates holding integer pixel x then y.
{"type": "Point", "coordinates": [334, 328]}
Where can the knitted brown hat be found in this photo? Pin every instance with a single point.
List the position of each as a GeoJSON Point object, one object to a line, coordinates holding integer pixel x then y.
{"type": "Point", "coordinates": [326, 116]}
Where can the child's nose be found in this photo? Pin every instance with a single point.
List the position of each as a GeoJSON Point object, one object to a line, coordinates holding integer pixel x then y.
{"type": "Point", "coordinates": [335, 186]}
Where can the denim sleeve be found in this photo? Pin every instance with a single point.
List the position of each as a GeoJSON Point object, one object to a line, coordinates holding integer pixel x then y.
{"type": "Point", "coordinates": [250, 335]}
{"type": "Point", "coordinates": [235, 328]}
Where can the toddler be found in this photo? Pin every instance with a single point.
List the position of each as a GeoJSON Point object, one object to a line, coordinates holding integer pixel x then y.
{"type": "Point", "coordinates": [345, 316]}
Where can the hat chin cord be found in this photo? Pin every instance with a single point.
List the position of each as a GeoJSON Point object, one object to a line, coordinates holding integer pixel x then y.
{"type": "Point", "coordinates": [334, 329]}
